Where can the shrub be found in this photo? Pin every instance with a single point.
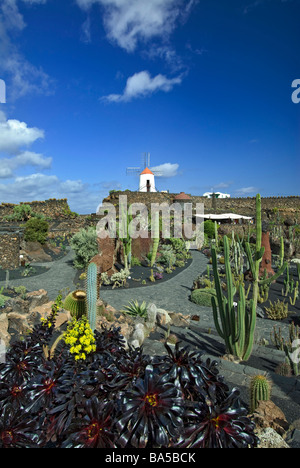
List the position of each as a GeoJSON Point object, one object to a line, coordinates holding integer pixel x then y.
{"type": "Point", "coordinates": [110, 397]}
{"type": "Point", "coordinates": [167, 255]}
{"type": "Point", "coordinates": [3, 298]}
{"type": "Point", "coordinates": [36, 230]}
{"type": "Point", "coordinates": [202, 297]}
{"type": "Point", "coordinates": [209, 228]}
{"type": "Point", "coordinates": [20, 213]}
{"type": "Point", "coordinates": [85, 245]}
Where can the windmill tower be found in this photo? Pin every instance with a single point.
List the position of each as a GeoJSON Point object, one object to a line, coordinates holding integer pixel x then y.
{"type": "Point", "coordinates": [147, 177]}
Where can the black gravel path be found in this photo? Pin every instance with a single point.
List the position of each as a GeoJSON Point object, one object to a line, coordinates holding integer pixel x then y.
{"type": "Point", "coordinates": [59, 276]}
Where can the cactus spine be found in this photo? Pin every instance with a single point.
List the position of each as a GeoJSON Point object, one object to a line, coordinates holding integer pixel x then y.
{"type": "Point", "coordinates": [260, 390]}
{"type": "Point", "coordinates": [91, 294]}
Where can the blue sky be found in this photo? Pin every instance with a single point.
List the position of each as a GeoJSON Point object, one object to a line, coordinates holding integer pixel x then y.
{"type": "Point", "coordinates": [204, 86]}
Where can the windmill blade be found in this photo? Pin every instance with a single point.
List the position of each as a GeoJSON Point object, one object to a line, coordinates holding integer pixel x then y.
{"type": "Point", "coordinates": [146, 160]}
{"type": "Point", "coordinates": [157, 173]}
{"type": "Point", "coordinates": [133, 170]}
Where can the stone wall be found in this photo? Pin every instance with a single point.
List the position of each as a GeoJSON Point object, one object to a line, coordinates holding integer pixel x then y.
{"type": "Point", "coordinates": [284, 206]}
{"type": "Point", "coordinates": [9, 250]}
{"type": "Point", "coordinates": [51, 208]}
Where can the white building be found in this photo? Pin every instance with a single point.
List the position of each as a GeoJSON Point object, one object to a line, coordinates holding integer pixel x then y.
{"type": "Point", "coordinates": [147, 182]}
{"type": "Point", "coordinates": [217, 195]}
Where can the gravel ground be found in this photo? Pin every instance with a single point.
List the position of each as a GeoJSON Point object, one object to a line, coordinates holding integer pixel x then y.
{"type": "Point", "coordinates": [59, 276]}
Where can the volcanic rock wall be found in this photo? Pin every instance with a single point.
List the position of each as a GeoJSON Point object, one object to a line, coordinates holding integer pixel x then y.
{"type": "Point", "coordinates": [271, 206]}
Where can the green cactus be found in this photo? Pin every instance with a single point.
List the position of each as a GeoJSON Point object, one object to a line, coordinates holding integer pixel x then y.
{"type": "Point", "coordinates": [236, 325]}
{"type": "Point", "coordinates": [124, 234]}
{"type": "Point", "coordinates": [260, 390]}
{"type": "Point", "coordinates": [281, 252]}
{"type": "Point", "coordinates": [91, 294]}
{"type": "Point", "coordinates": [289, 345]}
{"type": "Point", "coordinates": [216, 235]}
{"type": "Point", "coordinates": [296, 294]}
{"type": "Point", "coordinates": [256, 260]}
{"type": "Point", "coordinates": [155, 243]}
{"type": "Point", "coordinates": [75, 303]}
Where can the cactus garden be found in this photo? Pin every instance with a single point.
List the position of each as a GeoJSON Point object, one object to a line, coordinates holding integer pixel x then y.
{"type": "Point", "coordinates": [85, 374]}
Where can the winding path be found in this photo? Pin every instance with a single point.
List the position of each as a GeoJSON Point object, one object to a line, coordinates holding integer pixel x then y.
{"type": "Point", "coordinates": [172, 295]}
{"type": "Point", "coordinates": [59, 276]}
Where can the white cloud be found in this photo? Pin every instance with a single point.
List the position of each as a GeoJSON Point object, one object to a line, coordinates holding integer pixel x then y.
{"type": "Point", "coordinates": [81, 197]}
{"type": "Point", "coordinates": [245, 191]}
{"type": "Point", "coordinates": [128, 22]}
{"type": "Point", "coordinates": [27, 158]}
{"type": "Point", "coordinates": [141, 84]}
{"type": "Point", "coordinates": [22, 76]}
{"type": "Point", "coordinates": [16, 188]}
{"type": "Point", "coordinates": [72, 186]}
{"type": "Point", "coordinates": [14, 135]}
{"type": "Point", "coordinates": [166, 169]}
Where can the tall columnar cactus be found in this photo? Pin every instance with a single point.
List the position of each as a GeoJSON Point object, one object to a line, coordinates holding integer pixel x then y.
{"type": "Point", "coordinates": [91, 294]}
{"type": "Point", "coordinates": [260, 390]}
{"type": "Point", "coordinates": [256, 260]}
{"type": "Point", "coordinates": [281, 252]}
{"type": "Point", "coordinates": [155, 236]}
{"type": "Point", "coordinates": [236, 325]}
{"type": "Point", "coordinates": [216, 235]}
{"type": "Point", "coordinates": [124, 234]}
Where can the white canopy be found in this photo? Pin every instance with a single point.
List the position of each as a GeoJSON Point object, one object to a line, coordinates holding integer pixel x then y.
{"type": "Point", "coordinates": [223, 216]}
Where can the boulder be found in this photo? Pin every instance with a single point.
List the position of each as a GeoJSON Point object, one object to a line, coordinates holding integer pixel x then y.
{"type": "Point", "coordinates": [4, 335]}
{"type": "Point", "coordinates": [267, 414]}
{"type": "Point", "coordinates": [163, 317]}
{"type": "Point", "coordinates": [35, 252]}
{"type": "Point", "coordinates": [266, 262]}
{"type": "Point", "coordinates": [141, 247]}
{"type": "Point", "coordinates": [107, 256]}
{"type": "Point", "coordinates": [269, 438]}
{"type": "Point", "coordinates": [37, 298]}
{"type": "Point", "coordinates": [179, 319]}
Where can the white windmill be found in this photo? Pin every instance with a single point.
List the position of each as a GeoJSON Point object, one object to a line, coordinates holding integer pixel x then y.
{"type": "Point", "coordinates": [147, 176]}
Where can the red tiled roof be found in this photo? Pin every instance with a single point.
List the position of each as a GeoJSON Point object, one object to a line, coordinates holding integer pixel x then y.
{"type": "Point", "coordinates": [182, 196]}
{"type": "Point", "coordinates": [146, 171]}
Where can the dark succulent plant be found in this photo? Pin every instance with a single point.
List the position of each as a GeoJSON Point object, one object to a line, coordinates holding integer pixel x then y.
{"type": "Point", "coordinates": [219, 425]}
{"type": "Point", "coordinates": [115, 398]}
{"type": "Point", "coordinates": [95, 427]}
{"type": "Point", "coordinates": [17, 429]}
{"type": "Point", "coordinates": [152, 410]}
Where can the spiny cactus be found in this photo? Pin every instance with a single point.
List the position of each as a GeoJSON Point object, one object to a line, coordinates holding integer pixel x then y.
{"type": "Point", "coordinates": [75, 303]}
{"type": "Point", "coordinates": [155, 236]}
{"type": "Point", "coordinates": [255, 261]}
{"type": "Point", "coordinates": [295, 293]}
{"type": "Point", "coordinates": [124, 233]}
{"type": "Point", "coordinates": [260, 390]}
{"type": "Point", "coordinates": [91, 294]}
{"type": "Point", "coordinates": [284, 369]}
{"type": "Point", "coordinates": [235, 325]}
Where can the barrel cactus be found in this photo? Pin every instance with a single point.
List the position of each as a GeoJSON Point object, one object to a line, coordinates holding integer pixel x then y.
{"type": "Point", "coordinates": [75, 303]}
